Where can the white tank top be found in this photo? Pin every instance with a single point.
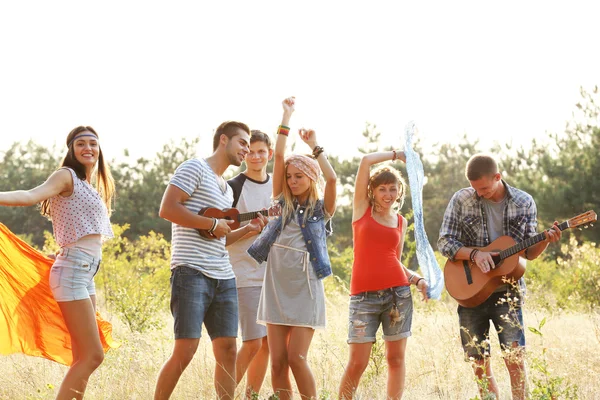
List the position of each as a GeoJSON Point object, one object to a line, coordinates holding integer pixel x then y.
{"type": "Point", "coordinates": [80, 214]}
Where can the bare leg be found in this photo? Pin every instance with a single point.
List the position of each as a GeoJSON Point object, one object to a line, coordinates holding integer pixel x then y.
{"type": "Point", "coordinates": [278, 337]}
{"type": "Point", "coordinates": [483, 371]}
{"type": "Point", "coordinates": [93, 300]}
{"type": "Point", "coordinates": [88, 354]}
{"type": "Point", "coordinates": [183, 352]}
{"type": "Point", "coordinates": [395, 352]}
{"type": "Point", "coordinates": [258, 369]}
{"type": "Point", "coordinates": [245, 356]}
{"type": "Point", "coordinates": [298, 345]}
{"type": "Point", "coordinates": [515, 363]}
{"type": "Point", "coordinates": [225, 350]}
{"type": "Point", "coordinates": [357, 363]}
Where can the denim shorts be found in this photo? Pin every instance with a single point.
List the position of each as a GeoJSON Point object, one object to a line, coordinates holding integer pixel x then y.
{"type": "Point", "coordinates": [248, 298]}
{"type": "Point", "coordinates": [368, 310]}
{"type": "Point", "coordinates": [72, 275]}
{"type": "Point", "coordinates": [197, 299]}
{"type": "Point", "coordinates": [475, 324]}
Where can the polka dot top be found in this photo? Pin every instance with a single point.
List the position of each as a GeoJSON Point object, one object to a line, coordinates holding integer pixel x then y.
{"type": "Point", "coordinates": [80, 214]}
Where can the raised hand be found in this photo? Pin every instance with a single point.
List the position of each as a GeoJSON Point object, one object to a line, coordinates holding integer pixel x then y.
{"type": "Point", "coordinates": [289, 105]}
{"type": "Point", "coordinates": [308, 136]}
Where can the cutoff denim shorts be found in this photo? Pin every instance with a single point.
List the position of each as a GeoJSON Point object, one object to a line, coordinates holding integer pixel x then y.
{"type": "Point", "coordinates": [72, 275]}
{"type": "Point", "coordinates": [368, 310]}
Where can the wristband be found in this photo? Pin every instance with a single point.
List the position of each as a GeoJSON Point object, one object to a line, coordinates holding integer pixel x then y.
{"type": "Point", "coordinates": [419, 280]}
{"type": "Point", "coordinates": [395, 156]}
{"type": "Point", "coordinates": [283, 130]}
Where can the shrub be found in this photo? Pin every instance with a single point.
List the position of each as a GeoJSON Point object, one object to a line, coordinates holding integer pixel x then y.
{"type": "Point", "coordinates": [134, 278]}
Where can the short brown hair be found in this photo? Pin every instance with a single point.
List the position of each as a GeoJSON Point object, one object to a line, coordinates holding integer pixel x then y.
{"type": "Point", "coordinates": [480, 165]}
{"type": "Point", "coordinates": [229, 129]}
{"type": "Point", "coordinates": [258, 136]}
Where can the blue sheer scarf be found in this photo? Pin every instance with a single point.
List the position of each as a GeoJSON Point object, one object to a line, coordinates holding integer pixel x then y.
{"type": "Point", "coordinates": [429, 267]}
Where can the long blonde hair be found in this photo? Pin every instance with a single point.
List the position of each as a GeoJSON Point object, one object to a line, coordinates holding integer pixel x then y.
{"type": "Point", "coordinates": [105, 184]}
{"type": "Point", "coordinates": [289, 200]}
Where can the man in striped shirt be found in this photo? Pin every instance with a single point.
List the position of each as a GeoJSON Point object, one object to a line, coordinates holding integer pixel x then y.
{"type": "Point", "coordinates": [203, 288]}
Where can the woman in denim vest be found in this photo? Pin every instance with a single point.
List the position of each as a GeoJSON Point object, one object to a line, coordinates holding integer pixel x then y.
{"type": "Point", "coordinates": [292, 302]}
{"type": "Point", "coordinates": [380, 284]}
{"type": "Point", "coordinates": [80, 219]}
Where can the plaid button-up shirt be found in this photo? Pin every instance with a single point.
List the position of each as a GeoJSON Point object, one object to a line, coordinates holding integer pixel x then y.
{"type": "Point", "coordinates": [465, 221]}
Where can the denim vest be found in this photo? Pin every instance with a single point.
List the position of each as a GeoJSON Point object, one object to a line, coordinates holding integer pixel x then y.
{"type": "Point", "coordinates": [314, 232]}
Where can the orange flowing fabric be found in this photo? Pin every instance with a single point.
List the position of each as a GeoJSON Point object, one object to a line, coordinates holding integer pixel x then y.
{"type": "Point", "coordinates": [30, 319]}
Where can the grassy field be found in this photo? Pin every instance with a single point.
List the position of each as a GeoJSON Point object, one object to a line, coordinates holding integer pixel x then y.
{"type": "Point", "coordinates": [435, 366]}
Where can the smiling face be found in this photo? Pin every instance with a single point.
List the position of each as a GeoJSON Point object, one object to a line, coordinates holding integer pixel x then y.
{"type": "Point", "coordinates": [386, 189]}
{"type": "Point", "coordinates": [258, 157]}
{"type": "Point", "coordinates": [298, 182]}
{"type": "Point", "coordinates": [86, 149]}
{"type": "Point", "coordinates": [237, 147]}
{"type": "Point", "coordinates": [386, 195]}
{"type": "Point", "coordinates": [489, 187]}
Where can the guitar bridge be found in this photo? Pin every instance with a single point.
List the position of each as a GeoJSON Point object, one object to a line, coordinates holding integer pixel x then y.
{"type": "Point", "coordinates": [468, 272]}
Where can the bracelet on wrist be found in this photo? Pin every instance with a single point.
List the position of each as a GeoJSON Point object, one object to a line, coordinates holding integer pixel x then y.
{"type": "Point", "coordinates": [317, 151]}
{"type": "Point", "coordinates": [419, 280]}
{"type": "Point", "coordinates": [472, 254]}
{"type": "Point", "coordinates": [283, 130]}
{"type": "Point", "coordinates": [214, 225]}
{"type": "Point", "coordinates": [395, 156]}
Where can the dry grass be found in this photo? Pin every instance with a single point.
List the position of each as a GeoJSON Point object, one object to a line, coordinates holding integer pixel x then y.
{"type": "Point", "coordinates": [435, 366]}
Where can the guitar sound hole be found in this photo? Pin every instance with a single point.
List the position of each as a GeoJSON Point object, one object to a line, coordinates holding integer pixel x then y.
{"type": "Point", "coordinates": [497, 261]}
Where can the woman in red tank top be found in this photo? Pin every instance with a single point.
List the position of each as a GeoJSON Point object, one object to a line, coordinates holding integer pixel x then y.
{"type": "Point", "coordinates": [380, 284]}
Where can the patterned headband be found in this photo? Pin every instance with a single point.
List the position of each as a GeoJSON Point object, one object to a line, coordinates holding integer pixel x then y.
{"type": "Point", "coordinates": [307, 165]}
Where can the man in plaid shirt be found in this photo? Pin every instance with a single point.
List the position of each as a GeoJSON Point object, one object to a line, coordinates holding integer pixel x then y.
{"type": "Point", "coordinates": [475, 217]}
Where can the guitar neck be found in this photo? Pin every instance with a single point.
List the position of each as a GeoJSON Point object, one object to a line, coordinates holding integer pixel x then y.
{"type": "Point", "coordinates": [517, 248]}
{"type": "Point", "coordinates": [251, 215]}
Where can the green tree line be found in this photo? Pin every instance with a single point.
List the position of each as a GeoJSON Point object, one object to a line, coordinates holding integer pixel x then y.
{"type": "Point", "coordinates": [560, 173]}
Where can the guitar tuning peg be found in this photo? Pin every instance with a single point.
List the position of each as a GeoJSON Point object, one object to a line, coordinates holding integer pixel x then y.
{"type": "Point", "coordinates": [580, 228]}
{"type": "Point", "coordinates": [592, 225]}
{"type": "Point", "coordinates": [587, 226]}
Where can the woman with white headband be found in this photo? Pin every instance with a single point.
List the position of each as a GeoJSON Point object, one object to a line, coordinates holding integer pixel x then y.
{"type": "Point", "coordinates": [292, 302]}
{"type": "Point", "coordinates": [80, 220]}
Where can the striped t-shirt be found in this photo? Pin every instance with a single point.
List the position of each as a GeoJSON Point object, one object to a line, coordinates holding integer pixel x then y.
{"type": "Point", "coordinates": [209, 256]}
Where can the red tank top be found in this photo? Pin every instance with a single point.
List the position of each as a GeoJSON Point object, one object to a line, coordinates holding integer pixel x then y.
{"type": "Point", "coordinates": [376, 265]}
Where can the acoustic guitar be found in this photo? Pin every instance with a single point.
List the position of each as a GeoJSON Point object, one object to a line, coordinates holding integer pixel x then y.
{"type": "Point", "coordinates": [234, 215]}
{"type": "Point", "coordinates": [471, 287]}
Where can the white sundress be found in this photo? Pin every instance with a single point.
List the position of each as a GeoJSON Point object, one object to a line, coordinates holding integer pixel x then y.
{"type": "Point", "coordinates": [292, 294]}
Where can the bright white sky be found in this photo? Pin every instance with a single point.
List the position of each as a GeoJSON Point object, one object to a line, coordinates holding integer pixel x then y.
{"type": "Point", "coordinates": [143, 72]}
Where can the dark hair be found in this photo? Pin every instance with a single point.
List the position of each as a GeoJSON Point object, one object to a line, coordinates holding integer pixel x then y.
{"type": "Point", "coordinates": [258, 136]}
{"type": "Point", "coordinates": [480, 165]}
{"type": "Point", "coordinates": [385, 176]}
{"type": "Point", "coordinates": [105, 183]}
{"type": "Point", "coordinates": [229, 129]}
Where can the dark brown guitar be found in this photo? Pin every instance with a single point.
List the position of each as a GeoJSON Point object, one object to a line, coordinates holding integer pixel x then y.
{"type": "Point", "coordinates": [234, 215]}
{"type": "Point", "coordinates": [471, 287]}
